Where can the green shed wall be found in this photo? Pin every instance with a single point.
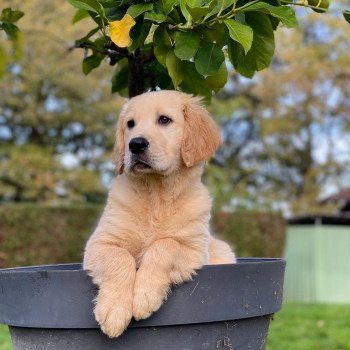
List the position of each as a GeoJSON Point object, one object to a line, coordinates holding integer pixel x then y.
{"type": "Point", "coordinates": [318, 263]}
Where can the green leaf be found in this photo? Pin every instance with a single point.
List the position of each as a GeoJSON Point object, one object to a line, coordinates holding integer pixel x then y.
{"type": "Point", "coordinates": [322, 5]}
{"type": "Point", "coordinates": [11, 30]}
{"type": "Point", "coordinates": [101, 41]}
{"type": "Point", "coordinates": [3, 61]}
{"type": "Point", "coordinates": [162, 44]}
{"type": "Point", "coordinates": [155, 17]}
{"type": "Point", "coordinates": [184, 10]}
{"type": "Point", "coordinates": [200, 8]}
{"type": "Point", "coordinates": [263, 46]}
{"type": "Point", "coordinates": [240, 17]}
{"type": "Point", "coordinates": [186, 45]}
{"type": "Point", "coordinates": [149, 38]}
{"type": "Point", "coordinates": [168, 5]}
{"type": "Point", "coordinates": [109, 3]}
{"type": "Point", "coordinates": [138, 34]}
{"type": "Point", "coordinates": [175, 68]}
{"type": "Point", "coordinates": [158, 75]}
{"type": "Point", "coordinates": [240, 33]}
{"type": "Point", "coordinates": [89, 5]}
{"type": "Point", "coordinates": [209, 59]}
{"type": "Point", "coordinates": [220, 5]}
{"type": "Point", "coordinates": [216, 82]}
{"type": "Point", "coordinates": [194, 83]}
{"type": "Point", "coordinates": [115, 13]}
{"type": "Point", "coordinates": [285, 13]}
{"type": "Point", "coordinates": [120, 78]}
{"type": "Point", "coordinates": [97, 19]}
{"type": "Point", "coordinates": [92, 62]}
{"type": "Point", "coordinates": [10, 16]}
{"type": "Point", "coordinates": [346, 15]}
{"type": "Point", "coordinates": [217, 33]}
{"type": "Point", "coordinates": [79, 15]}
{"type": "Point", "coordinates": [274, 21]}
{"type": "Point", "coordinates": [236, 56]}
{"type": "Point", "coordinates": [175, 16]}
{"type": "Point", "coordinates": [198, 3]}
{"type": "Point", "coordinates": [138, 9]}
{"type": "Point", "coordinates": [125, 2]}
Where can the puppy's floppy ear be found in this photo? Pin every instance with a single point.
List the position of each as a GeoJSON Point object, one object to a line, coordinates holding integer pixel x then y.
{"type": "Point", "coordinates": [201, 136]}
{"type": "Point", "coordinates": [119, 148]}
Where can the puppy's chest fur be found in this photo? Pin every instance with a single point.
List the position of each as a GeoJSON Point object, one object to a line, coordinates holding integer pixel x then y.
{"type": "Point", "coordinates": [142, 215]}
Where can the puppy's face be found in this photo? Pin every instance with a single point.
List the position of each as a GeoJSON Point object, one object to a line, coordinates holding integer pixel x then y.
{"type": "Point", "coordinates": [159, 132]}
{"type": "Point", "coordinates": [153, 127]}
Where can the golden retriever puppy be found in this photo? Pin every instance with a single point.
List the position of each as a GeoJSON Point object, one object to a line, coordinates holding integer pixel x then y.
{"type": "Point", "coordinates": [154, 231]}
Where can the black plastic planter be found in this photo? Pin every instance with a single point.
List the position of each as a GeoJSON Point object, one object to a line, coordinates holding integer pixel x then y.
{"type": "Point", "coordinates": [224, 307]}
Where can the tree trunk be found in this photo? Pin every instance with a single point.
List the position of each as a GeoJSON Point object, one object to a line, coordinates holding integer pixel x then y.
{"type": "Point", "coordinates": [136, 84]}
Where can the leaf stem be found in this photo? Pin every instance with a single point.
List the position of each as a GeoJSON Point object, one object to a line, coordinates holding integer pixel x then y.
{"type": "Point", "coordinates": [228, 15]}
{"type": "Point", "coordinates": [222, 8]}
{"type": "Point", "coordinates": [304, 5]}
{"type": "Point", "coordinates": [238, 9]}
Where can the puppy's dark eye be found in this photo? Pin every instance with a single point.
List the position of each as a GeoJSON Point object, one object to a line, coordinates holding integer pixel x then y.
{"type": "Point", "coordinates": [131, 123]}
{"type": "Point", "coordinates": [164, 120]}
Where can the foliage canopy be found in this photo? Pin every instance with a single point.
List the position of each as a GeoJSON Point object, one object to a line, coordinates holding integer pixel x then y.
{"type": "Point", "coordinates": [182, 44]}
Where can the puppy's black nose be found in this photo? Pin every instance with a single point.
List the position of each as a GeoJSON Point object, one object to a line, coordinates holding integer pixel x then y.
{"type": "Point", "coordinates": [138, 145]}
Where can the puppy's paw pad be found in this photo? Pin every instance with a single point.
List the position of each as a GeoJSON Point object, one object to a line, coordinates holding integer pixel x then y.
{"type": "Point", "coordinates": [113, 320]}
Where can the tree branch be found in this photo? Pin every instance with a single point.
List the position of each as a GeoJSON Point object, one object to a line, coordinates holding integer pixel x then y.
{"type": "Point", "coordinates": [114, 52]}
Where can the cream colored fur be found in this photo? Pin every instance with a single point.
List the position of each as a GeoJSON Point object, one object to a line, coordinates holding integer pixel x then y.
{"type": "Point", "coordinates": [154, 231]}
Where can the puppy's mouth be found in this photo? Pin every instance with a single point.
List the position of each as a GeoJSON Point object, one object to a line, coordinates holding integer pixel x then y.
{"type": "Point", "coordinates": [140, 164]}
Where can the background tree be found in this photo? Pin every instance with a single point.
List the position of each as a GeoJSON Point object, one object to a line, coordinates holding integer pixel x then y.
{"type": "Point", "coordinates": [293, 122]}
{"type": "Point", "coordinates": [51, 116]}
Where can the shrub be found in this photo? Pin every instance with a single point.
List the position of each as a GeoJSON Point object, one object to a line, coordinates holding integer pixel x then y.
{"type": "Point", "coordinates": [41, 234]}
{"type": "Point", "coordinates": [251, 233]}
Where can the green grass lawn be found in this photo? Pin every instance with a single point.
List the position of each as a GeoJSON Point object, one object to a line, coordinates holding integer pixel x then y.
{"type": "Point", "coordinates": [310, 327]}
{"type": "Point", "coordinates": [296, 327]}
{"type": "Point", "coordinates": [5, 341]}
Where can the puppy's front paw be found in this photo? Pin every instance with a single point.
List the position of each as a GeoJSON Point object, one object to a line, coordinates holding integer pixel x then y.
{"type": "Point", "coordinates": [113, 318]}
{"type": "Point", "coordinates": [146, 301]}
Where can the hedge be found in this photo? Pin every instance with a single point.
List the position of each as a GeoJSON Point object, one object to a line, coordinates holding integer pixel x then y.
{"type": "Point", "coordinates": [251, 233]}
{"type": "Point", "coordinates": [41, 234]}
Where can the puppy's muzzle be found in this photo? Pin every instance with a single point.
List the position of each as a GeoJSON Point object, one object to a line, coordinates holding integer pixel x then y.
{"type": "Point", "coordinates": [138, 145]}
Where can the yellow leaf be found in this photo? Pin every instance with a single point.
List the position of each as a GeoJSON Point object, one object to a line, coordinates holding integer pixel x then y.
{"type": "Point", "coordinates": [119, 31]}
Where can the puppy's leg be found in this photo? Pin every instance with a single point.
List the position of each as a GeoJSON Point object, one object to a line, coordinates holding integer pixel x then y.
{"type": "Point", "coordinates": [164, 263]}
{"type": "Point", "coordinates": [220, 252]}
{"type": "Point", "coordinates": [113, 269]}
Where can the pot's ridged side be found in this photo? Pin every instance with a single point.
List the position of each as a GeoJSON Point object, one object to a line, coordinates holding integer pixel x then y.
{"type": "Point", "coordinates": [232, 335]}
{"type": "Point", "coordinates": [224, 307]}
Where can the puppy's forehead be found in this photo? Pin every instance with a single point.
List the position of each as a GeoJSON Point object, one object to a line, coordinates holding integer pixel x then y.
{"type": "Point", "coordinates": [155, 103]}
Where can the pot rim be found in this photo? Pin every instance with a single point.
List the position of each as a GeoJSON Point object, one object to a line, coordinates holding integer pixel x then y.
{"type": "Point", "coordinates": [77, 267]}
{"type": "Point", "coordinates": [61, 296]}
